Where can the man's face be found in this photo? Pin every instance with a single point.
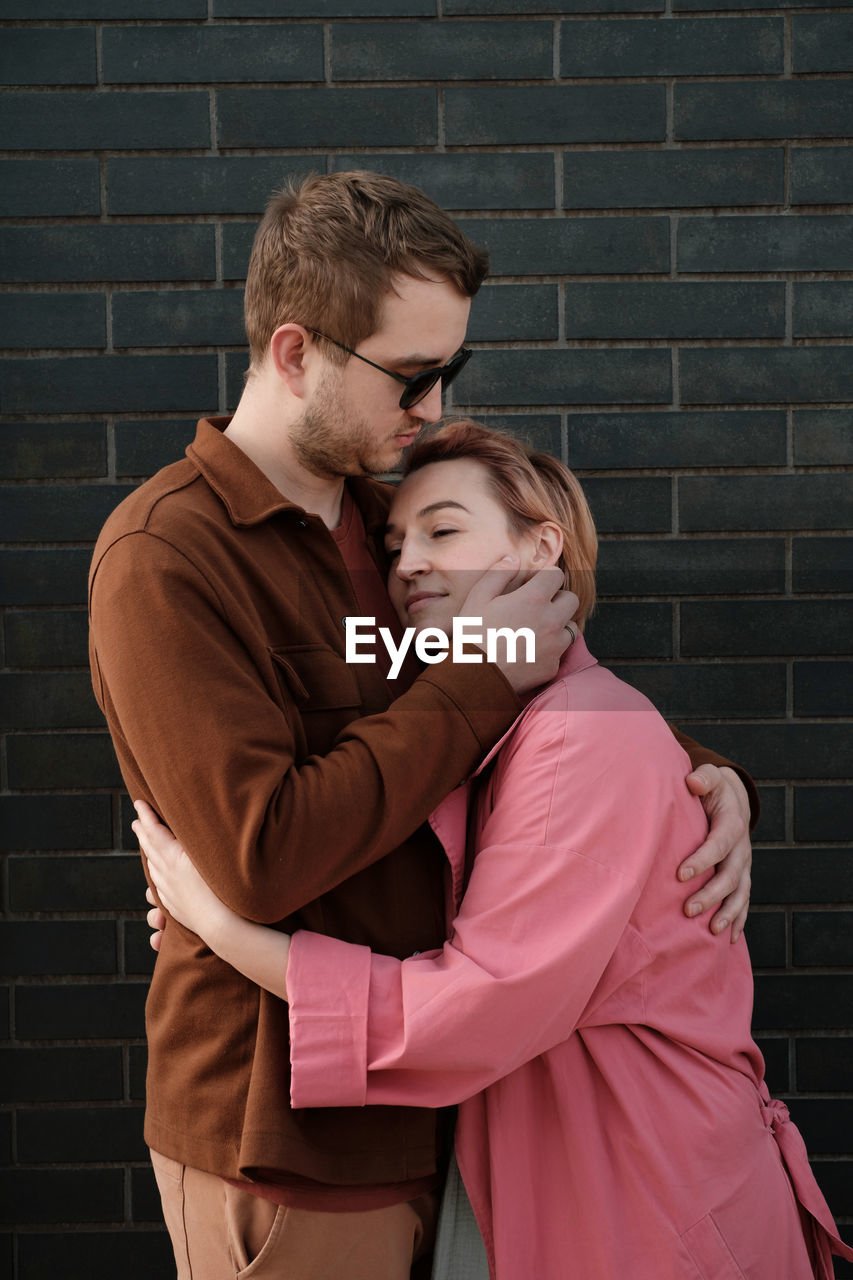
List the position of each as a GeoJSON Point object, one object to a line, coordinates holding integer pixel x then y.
{"type": "Point", "coordinates": [352, 423]}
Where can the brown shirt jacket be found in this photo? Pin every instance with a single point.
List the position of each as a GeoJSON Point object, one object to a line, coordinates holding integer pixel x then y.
{"type": "Point", "coordinates": [217, 652]}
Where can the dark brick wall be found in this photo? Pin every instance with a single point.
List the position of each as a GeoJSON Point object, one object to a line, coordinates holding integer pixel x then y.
{"type": "Point", "coordinates": [666, 190]}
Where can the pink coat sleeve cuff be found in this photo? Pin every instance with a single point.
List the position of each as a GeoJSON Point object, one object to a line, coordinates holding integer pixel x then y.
{"type": "Point", "coordinates": [328, 986]}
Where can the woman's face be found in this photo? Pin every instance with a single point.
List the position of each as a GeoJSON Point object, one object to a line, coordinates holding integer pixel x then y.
{"type": "Point", "coordinates": [445, 529]}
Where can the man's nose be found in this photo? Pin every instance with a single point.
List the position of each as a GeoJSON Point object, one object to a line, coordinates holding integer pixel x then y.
{"type": "Point", "coordinates": [428, 409]}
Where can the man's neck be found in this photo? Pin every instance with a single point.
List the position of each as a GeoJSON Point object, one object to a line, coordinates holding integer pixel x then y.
{"type": "Point", "coordinates": [271, 453]}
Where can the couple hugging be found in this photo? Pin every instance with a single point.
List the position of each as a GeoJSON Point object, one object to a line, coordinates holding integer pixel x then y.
{"type": "Point", "coordinates": [459, 887]}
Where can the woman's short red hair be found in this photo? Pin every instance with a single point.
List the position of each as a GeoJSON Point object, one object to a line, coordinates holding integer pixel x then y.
{"type": "Point", "coordinates": [531, 487]}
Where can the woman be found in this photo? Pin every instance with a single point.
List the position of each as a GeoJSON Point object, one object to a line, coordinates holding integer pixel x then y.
{"type": "Point", "coordinates": [613, 1119]}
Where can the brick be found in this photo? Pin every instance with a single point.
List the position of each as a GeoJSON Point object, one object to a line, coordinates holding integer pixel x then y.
{"type": "Point", "coordinates": [765, 935]}
{"type": "Point", "coordinates": [209, 54]}
{"type": "Point", "coordinates": [178, 318]}
{"type": "Point", "coordinates": [60, 1074]}
{"type": "Point", "coordinates": [835, 1179]}
{"type": "Point", "coordinates": [822, 42]}
{"type": "Point", "coordinates": [67, 450]}
{"type": "Point", "coordinates": [49, 187]}
{"type": "Point", "coordinates": [144, 447]}
{"type": "Point", "coordinates": [802, 875]}
{"type": "Point", "coordinates": [678, 439]}
{"type": "Point", "coordinates": [556, 113]}
{"type": "Point", "coordinates": [824, 1123]}
{"type": "Point", "coordinates": [236, 246]}
{"type": "Point", "coordinates": [731, 690]}
{"type": "Point", "coordinates": [822, 175]}
{"type": "Point", "coordinates": [514, 312]}
{"type": "Point", "coordinates": [675, 309]}
{"type": "Point", "coordinates": [44, 577]}
{"type": "Point", "coordinates": [691, 566]}
{"type": "Point", "coordinates": [813, 500]}
{"type": "Point", "coordinates": [84, 384]}
{"type": "Point", "coordinates": [800, 243]}
{"type": "Point", "coordinates": [797, 1002]}
{"type": "Point", "coordinates": [109, 253]}
{"type": "Point", "coordinates": [775, 1052]}
{"type": "Point", "coordinates": [46, 638]}
{"type": "Point", "coordinates": [823, 1065]}
{"type": "Point", "coordinates": [679, 47]}
{"type": "Point", "coordinates": [764, 109]}
{"type": "Point", "coordinates": [636, 630]}
{"type": "Point", "coordinates": [30, 320]}
{"type": "Point", "coordinates": [572, 246]}
{"type": "Point", "coordinates": [39, 947]}
{"type": "Point", "coordinates": [673, 179]}
{"type": "Point", "coordinates": [56, 513]}
{"type": "Point", "coordinates": [114, 121]}
{"type": "Point", "coordinates": [617, 375]}
{"type": "Point", "coordinates": [823, 938]}
{"type": "Point", "coordinates": [110, 882]}
{"type": "Point", "coordinates": [442, 51]}
{"type": "Point", "coordinates": [60, 761]}
{"type": "Point", "coordinates": [235, 378]}
{"type": "Point", "coordinates": [823, 309]}
{"type": "Point", "coordinates": [782, 751]}
{"type": "Point", "coordinates": [88, 1255]}
{"type": "Point", "coordinates": [540, 432]}
{"type": "Point", "coordinates": [333, 118]}
{"type": "Point", "coordinates": [758, 375]}
{"type": "Point", "coordinates": [202, 184]}
{"type": "Point", "coordinates": [53, 55]}
{"type": "Point", "coordinates": [58, 1195]}
{"type": "Point", "coordinates": [823, 688]}
{"type": "Point", "coordinates": [62, 1134]}
{"type": "Point", "coordinates": [771, 824]}
{"type": "Point", "coordinates": [513, 180]}
{"type": "Point", "coordinates": [138, 955]}
{"type": "Point", "coordinates": [144, 1196]}
{"type": "Point", "coordinates": [823, 437]}
{"type": "Point", "coordinates": [451, 7]}
{"type": "Point", "coordinates": [110, 9]}
{"type": "Point", "coordinates": [324, 8]}
{"type": "Point", "coordinates": [823, 813]}
{"type": "Point", "coordinates": [697, 5]}
{"type": "Point", "coordinates": [766, 628]}
{"type": "Point", "coordinates": [48, 700]}
{"type": "Point", "coordinates": [630, 506]}
{"type": "Point", "coordinates": [823, 564]}
{"type": "Point", "coordinates": [55, 822]}
{"type": "Point", "coordinates": [138, 1058]}
{"type": "Point", "coordinates": [101, 1010]}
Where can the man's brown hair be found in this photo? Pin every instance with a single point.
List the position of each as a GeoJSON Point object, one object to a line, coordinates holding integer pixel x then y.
{"type": "Point", "coordinates": [327, 249]}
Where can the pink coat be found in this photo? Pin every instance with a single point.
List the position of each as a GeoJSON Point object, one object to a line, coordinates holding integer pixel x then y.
{"type": "Point", "coordinates": [613, 1118]}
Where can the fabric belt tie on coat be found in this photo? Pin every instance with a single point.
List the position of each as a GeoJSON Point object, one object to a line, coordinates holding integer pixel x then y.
{"type": "Point", "coordinates": [819, 1227]}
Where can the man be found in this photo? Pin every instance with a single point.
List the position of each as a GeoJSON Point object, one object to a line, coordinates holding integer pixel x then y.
{"type": "Point", "coordinates": [219, 597]}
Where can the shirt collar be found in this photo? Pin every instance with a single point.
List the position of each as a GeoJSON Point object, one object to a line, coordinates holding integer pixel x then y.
{"type": "Point", "coordinates": [249, 497]}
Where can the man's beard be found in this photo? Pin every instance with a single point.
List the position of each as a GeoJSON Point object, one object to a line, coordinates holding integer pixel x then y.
{"type": "Point", "coordinates": [330, 441]}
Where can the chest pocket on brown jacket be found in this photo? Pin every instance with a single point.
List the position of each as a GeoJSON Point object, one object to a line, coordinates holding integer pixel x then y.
{"type": "Point", "coordinates": [322, 689]}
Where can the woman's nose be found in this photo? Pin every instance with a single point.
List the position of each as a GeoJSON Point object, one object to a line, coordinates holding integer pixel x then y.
{"type": "Point", "coordinates": [410, 562]}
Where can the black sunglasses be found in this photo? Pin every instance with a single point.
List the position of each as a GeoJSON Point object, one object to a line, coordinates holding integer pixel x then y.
{"type": "Point", "coordinates": [420, 384]}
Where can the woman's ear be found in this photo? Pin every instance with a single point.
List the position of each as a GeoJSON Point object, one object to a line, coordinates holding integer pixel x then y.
{"type": "Point", "coordinates": [548, 545]}
{"type": "Point", "coordinates": [288, 347]}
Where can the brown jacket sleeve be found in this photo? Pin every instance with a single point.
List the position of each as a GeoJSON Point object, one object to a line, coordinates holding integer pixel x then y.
{"type": "Point", "coordinates": [209, 739]}
{"type": "Point", "coordinates": [702, 755]}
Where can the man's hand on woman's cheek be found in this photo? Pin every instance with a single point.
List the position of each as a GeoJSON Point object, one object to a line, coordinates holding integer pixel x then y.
{"type": "Point", "coordinates": [727, 848]}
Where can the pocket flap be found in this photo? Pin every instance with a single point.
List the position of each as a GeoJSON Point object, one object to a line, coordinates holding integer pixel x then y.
{"type": "Point", "coordinates": [318, 678]}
